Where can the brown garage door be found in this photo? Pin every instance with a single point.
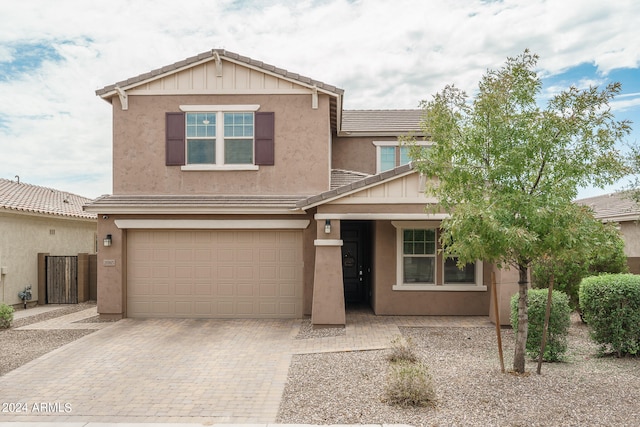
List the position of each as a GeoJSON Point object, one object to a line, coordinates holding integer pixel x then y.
{"type": "Point", "coordinates": [214, 273]}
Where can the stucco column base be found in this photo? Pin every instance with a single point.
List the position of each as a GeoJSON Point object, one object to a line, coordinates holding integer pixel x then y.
{"type": "Point", "coordinates": [507, 284]}
{"type": "Point", "coordinates": [328, 309]}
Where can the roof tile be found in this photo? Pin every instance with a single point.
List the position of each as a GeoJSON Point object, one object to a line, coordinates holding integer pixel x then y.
{"type": "Point", "coordinates": [35, 199]}
{"type": "Point", "coordinates": [614, 206]}
{"type": "Point", "coordinates": [372, 121]}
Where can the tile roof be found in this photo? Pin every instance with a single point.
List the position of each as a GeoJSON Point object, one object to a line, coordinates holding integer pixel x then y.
{"type": "Point", "coordinates": [381, 121]}
{"type": "Point", "coordinates": [222, 53]}
{"type": "Point", "coordinates": [23, 197]}
{"type": "Point", "coordinates": [364, 182]}
{"type": "Point", "coordinates": [341, 177]}
{"type": "Point", "coordinates": [612, 207]}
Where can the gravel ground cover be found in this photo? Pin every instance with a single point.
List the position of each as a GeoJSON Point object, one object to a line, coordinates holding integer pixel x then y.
{"type": "Point", "coordinates": [20, 347]}
{"type": "Point", "coordinates": [585, 390]}
{"type": "Point", "coordinates": [347, 387]}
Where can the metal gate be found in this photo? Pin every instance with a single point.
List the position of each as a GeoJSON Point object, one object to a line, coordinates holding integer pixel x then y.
{"type": "Point", "coordinates": [62, 279]}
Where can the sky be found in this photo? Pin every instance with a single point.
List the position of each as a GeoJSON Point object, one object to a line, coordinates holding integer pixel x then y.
{"type": "Point", "coordinates": [55, 132]}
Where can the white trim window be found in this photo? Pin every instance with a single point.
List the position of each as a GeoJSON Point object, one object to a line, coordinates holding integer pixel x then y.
{"type": "Point", "coordinates": [220, 137]}
{"type": "Point", "coordinates": [204, 146]}
{"type": "Point", "coordinates": [419, 255]}
{"type": "Point", "coordinates": [391, 154]}
{"type": "Point", "coordinates": [453, 275]}
{"type": "Point", "coordinates": [422, 267]}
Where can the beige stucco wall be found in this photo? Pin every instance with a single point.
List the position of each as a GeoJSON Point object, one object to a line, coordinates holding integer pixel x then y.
{"type": "Point", "coordinates": [25, 235]}
{"type": "Point", "coordinates": [356, 154]}
{"type": "Point", "coordinates": [302, 138]}
{"type": "Point", "coordinates": [631, 234]}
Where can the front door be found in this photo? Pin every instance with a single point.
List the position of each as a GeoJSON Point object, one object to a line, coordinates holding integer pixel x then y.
{"type": "Point", "coordinates": [356, 260]}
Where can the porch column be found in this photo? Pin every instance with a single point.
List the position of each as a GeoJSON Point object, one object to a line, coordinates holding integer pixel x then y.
{"type": "Point", "coordinates": [328, 309]}
{"type": "Point", "coordinates": [507, 283]}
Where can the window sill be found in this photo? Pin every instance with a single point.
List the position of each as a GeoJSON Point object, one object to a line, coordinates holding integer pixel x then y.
{"type": "Point", "coordinates": [441, 288]}
{"type": "Point", "coordinates": [199, 168]}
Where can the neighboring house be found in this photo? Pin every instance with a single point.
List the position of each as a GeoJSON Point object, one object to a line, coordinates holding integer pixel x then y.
{"type": "Point", "coordinates": [624, 211]}
{"type": "Point", "coordinates": [243, 190]}
{"type": "Point", "coordinates": [37, 220]}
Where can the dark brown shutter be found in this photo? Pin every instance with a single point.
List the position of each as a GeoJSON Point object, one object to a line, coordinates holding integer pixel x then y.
{"type": "Point", "coordinates": [175, 139]}
{"type": "Point", "coordinates": [264, 138]}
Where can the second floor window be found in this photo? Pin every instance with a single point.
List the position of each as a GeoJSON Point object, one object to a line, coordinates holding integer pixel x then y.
{"type": "Point", "coordinates": [223, 138]}
{"type": "Point", "coordinates": [390, 154]}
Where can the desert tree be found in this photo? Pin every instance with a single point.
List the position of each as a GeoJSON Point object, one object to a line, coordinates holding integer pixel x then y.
{"type": "Point", "coordinates": [507, 170]}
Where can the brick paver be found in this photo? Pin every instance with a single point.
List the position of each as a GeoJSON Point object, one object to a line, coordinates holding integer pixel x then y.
{"type": "Point", "coordinates": [182, 370]}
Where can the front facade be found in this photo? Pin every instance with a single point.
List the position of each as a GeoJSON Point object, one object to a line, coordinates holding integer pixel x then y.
{"type": "Point", "coordinates": [244, 190]}
{"type": "Point", "coordinates": [37, 220]}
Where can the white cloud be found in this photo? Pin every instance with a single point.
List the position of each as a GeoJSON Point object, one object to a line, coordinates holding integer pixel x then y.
{"type": "Point", "coordinates": [384, 54]}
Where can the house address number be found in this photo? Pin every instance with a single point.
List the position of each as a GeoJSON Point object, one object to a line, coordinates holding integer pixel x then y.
{"type": "Point", "coordinates": [109, 262]}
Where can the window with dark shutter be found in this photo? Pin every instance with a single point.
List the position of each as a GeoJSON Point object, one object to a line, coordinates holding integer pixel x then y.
{"type": "Point", "coordinates": [264, 135]}
{"type": "Point", "coordinates": [175, 139]}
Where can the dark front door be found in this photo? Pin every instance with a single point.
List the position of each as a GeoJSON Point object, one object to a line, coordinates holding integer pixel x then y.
{"type": "Point", "coordinates": [356, 260]}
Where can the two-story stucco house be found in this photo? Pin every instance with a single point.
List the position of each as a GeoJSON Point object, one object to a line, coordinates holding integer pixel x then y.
{"type": "Point", "coordinates": [243, 190]}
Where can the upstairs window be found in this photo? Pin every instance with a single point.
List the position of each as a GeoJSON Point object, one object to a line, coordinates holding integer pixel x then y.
{"type": "Point", "coordinates": [236, 146]}
{"type": "Point", "coordinates": [220, 138]}
{"type": "Point", "coordinates": [238, 138]}
{"type": "Point", "coordinates": [201, 138]}
{"type": "Point", "coordinates": [391, 154]}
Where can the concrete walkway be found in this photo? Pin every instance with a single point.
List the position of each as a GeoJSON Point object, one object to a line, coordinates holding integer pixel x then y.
{"type": "Point", "coordinates": [181, 370]}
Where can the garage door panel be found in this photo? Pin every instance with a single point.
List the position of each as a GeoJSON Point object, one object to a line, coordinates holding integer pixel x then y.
{"type": "Point", "coordinates": [245, 290]}
{"type": "Point", "coordinates": [204, 289]}
{"type": "Point", "coordinates": [268, 290]}
{"type": "Point", "coordinates": [207, 273]}
{"type": "Point", "coordinates": [288, 309]}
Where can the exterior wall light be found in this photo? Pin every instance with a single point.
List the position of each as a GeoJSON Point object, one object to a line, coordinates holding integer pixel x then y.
{"type": "Point", "coordinates": [327, 226]}
{"type": "Point", "coordinates": [107, 240]}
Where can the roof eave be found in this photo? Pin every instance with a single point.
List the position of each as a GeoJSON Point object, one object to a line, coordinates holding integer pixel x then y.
{"type": "Point", "coordinates": [355, 187]}
{"type": "Point", "coordinates": [374, 133]}
{"type": "Point", "coordinates": [110, 91]}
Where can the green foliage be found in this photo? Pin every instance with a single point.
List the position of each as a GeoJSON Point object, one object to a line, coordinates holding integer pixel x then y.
{"type": "Point", "coordinates": [604, 254]}
{"type": "Point", "coordinates": [559, 322]}
{"type": "Point", "coordinates": [507, 170]}
{"type": "Point", "coordinates": [409, 384]}
{"type": "Point", "coordinates": [6, 315]}
{"type": "Point", "coordinates": [609, 256]}
{"type": "Point", "coordinates": [610, 305]}
{"type": "Point", "coordinates": [402, 349]}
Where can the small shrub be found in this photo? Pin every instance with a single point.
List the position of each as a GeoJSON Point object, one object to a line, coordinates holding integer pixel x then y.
{"type": "Point", "coordinates": [6, 315]}
{"type": "Point", "coordinates": [611, 307]}
{"type": "Point", "coordinates": [559, 322]}
{"type": "Point", "coordinates": [567, 275]}
{"type": "Point", "coordinates": [409, 384]}
{"type": "Point", "coordinates": [568, 269]}
{"type": "Point", "coordinates": [402, 349]}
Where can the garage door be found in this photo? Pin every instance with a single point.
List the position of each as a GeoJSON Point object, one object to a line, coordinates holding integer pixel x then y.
{"type": "Point", "coordinates": [214, 273]}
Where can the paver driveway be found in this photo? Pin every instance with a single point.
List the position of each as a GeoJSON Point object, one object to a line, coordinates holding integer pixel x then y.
{"type": "Point", "coordinates": [182, 370]}
{"type": "Point", "coordinates": [160, 370]}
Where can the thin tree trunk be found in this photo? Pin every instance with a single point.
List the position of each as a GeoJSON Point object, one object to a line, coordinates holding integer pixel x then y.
{"type": "Point", "coordinates": [523, 321]}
